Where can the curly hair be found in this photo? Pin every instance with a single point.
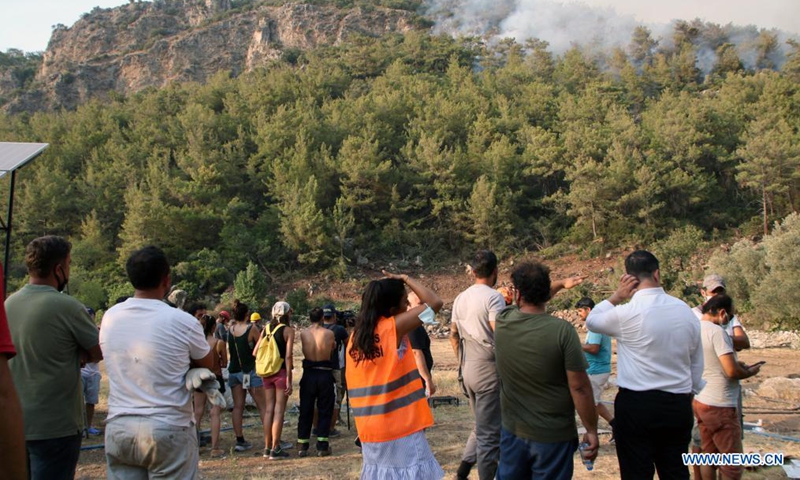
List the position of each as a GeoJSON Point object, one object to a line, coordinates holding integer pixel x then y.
{"type": "Point", "coordinates": [532, 281]}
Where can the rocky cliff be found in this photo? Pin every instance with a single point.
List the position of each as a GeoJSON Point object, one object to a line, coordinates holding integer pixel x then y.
{"type": "Point", "coordinates": [150, 44]}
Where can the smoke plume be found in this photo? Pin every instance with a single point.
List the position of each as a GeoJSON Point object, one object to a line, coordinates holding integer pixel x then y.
{"type": "Point", "coordinates": [596, 29]}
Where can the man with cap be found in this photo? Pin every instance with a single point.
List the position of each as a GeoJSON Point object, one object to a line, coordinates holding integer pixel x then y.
{"type": "Point", "coordinates": [714, 284]}
{"type": "Point", "coordinates": [255, 318]}
{"type": "Point", "coordinates": [337, 360]}
{"type": "Point", "coordinates": [597, 351]}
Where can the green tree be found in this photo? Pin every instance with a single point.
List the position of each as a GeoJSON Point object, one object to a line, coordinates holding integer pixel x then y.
{"type": "Point", "coordinates": [770, 165]}
{"type": "Point", "coordinates": [302, 223]}
{"type": "Point", "coordinates": [250, 286]}
{"type": "Point", "coordinates": [487, 220]}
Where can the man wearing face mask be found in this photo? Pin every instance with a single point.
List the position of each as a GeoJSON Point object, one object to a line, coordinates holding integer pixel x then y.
{"type": "Point", "coordinates": [53, 334]}
{"type": "Point", "coordinates": [713, 284]}
{"type": "Point", "coordinates": [716, 406]}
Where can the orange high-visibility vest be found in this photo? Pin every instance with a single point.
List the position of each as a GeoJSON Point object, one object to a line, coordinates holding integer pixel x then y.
{"type": "Point", "coordinates": [386, 394]}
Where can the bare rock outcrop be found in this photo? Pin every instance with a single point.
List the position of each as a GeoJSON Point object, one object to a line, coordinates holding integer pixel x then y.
{"type": "Point", "coordinates": [150, 44]}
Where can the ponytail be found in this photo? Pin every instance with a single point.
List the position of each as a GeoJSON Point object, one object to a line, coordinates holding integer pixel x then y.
{"type": "Point", "coordinates": [240, 311]}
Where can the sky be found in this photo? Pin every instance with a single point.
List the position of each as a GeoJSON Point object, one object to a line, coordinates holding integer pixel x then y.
{"type": "Point", "coordinates": [27, 24]}
{"type": "Point", "coordinates": [781, 14]}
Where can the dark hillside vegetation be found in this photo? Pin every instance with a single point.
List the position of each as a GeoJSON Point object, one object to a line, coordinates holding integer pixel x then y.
{"type": "Point", "coordinates": [412, 146]}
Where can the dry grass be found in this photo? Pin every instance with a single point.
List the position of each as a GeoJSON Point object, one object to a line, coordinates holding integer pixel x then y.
{"type": "Point", "coordinates": [447, 437]}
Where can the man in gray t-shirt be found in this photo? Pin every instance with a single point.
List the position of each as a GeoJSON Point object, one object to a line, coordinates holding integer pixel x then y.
{"type": "Point", "coordinates": [472, 336]}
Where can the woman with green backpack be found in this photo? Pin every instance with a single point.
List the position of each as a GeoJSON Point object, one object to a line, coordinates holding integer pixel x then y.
{"type": "Point", "coordinates": [274, 359]}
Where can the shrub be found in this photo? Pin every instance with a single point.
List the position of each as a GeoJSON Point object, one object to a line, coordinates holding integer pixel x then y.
{"type": "Point", "coordinates": [765, 278]}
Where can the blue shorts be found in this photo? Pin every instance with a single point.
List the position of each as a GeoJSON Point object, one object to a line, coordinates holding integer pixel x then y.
{"type": "Point", "coordinates": [522, 458]}
{"type": "Point", "coordinates": [91, 388]}
{"type": "Point", "coordinates": [235, 379]}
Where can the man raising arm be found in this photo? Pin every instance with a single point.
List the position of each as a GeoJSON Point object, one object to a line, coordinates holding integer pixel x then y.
{"type": "Point", "coordinates": [659, 364]}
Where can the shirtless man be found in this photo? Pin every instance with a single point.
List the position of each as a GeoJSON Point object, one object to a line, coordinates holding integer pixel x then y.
{"type": "Point", "coordinates": [316, 385]}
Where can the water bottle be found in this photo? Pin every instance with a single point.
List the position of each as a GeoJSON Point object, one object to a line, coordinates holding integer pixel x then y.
{"type": "Point", "coordinates": [589, 464]}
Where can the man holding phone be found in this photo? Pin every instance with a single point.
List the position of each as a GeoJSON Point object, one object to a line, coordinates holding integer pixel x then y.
{"type": "Point", "coordinates": [716, 406]}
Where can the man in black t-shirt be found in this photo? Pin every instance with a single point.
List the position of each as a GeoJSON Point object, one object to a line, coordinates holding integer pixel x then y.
{"type": "Point", "coordinates": [421, 346]}
{"type": "Point", "coordinates": [337, 359]}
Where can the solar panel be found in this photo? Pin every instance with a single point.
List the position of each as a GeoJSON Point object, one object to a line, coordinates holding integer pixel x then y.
{"type": "Point", "coordinates": [14, 155]}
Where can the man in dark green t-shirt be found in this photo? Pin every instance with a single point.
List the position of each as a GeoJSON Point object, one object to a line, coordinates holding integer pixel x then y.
{"type": "Point", "coordinates": [53, 333]}
{"type": "Point", "coordinates": [543, 381]}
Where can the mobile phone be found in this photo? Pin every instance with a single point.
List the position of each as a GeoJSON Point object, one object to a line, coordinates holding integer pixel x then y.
{"type": "Point", "coordinates": [246, 381]}
{"type": "Point", "coordinates": [757, 364]}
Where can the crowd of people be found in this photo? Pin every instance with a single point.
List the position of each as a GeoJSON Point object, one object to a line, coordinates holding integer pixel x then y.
{"type": "Point", "coordinates": [525, 373]}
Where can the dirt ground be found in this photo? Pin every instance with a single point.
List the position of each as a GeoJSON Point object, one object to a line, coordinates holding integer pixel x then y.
{"type": "Point", "coordinates": [453, 423]}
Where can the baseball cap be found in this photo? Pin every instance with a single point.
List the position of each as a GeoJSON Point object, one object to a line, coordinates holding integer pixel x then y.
{"type": "Point", "coordinates": [329, 310]}
{"type": "Point", "coordinates": [280, 309]}
{"type": "Point", "coordinates": [178, 298]}
{"type": "Point", "coordinates": [225, 315]}
{"type": "Point", "coordinates": [255, 317]}
{"type": "Point", "coordinates": [713, 282]}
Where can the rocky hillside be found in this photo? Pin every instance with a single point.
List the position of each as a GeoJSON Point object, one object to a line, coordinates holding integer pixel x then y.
{"type": "Point", "coordinates": [149, 44]}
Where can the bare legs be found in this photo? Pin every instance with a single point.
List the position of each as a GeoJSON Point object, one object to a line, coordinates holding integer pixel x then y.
{"type": "Point", "coordinates": [199, 409]}
{"type": "Point", "coordinates": [277, 418]}
{"type": "Point", "coordinates": [238, 395]}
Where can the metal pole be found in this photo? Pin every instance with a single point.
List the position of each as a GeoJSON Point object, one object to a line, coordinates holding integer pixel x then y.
{"type": "Point", "coordinates": [8, 232]}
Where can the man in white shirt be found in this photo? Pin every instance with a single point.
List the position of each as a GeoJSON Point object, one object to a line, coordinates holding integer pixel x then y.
{"type": "Point", "coordinates": [660, 366]}
{"type": "Point", "coordinates": [151, 346]}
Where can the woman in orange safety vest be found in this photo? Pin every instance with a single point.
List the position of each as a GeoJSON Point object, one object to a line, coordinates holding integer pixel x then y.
{"type": "Point", "coordinates": [384, 386]}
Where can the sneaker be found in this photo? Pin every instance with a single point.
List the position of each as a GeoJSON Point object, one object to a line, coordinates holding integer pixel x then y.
{"type": "Point", "coordinates": [302, 453]}
{"type": "Point", "coordinates": [93, 431]}
{"type": "Point", "coordinates": [324, 453]}
{"type": "Point", "coordinates": [243, 446]}
{"type": "Point", "coordinates": [278, 454]}
{"type": "Point", "coordinates": [267, 452]}
{"type": "Point", "coordinates": [334, 433]}
{"type": "Point", "coordinates": [286, 445]}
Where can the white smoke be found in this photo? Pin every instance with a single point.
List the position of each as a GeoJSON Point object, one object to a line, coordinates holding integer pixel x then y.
{"type": "Point", "coordinates": [565, 25]}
